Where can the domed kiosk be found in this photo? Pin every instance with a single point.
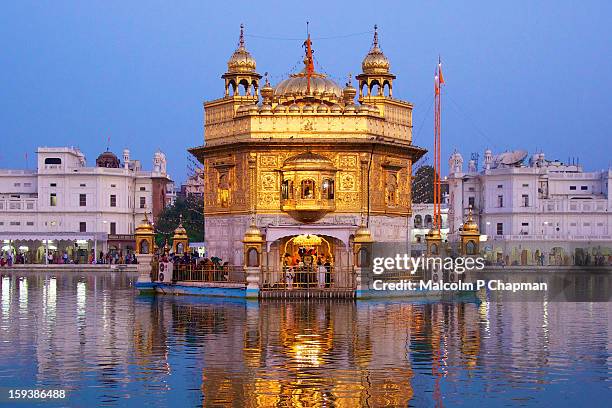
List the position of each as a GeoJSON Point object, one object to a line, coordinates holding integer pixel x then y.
{"type": "Point", "coordinates": [307, 189]}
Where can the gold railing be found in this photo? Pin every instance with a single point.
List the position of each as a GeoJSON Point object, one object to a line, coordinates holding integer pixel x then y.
{"type": "Point", "coordinates": [208, 273]}
{"type": "Point", "coordinates": [307, 278]}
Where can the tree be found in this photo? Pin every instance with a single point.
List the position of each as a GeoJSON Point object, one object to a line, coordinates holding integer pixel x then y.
{"type": "Point", "coordinates": [422, 185]}
{"type": "Point", "coordinates": [192, 210]}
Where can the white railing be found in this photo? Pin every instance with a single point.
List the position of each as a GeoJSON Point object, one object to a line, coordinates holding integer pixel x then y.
{"type": "Point", "coordinates": [552, 237]}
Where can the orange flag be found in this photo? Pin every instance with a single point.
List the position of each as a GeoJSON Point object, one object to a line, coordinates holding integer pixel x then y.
{"type": "Point", "coordinates": [440, 72]}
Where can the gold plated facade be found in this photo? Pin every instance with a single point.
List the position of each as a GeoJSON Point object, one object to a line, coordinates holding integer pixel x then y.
{"type": "Point", "coordinates": [307, 151]}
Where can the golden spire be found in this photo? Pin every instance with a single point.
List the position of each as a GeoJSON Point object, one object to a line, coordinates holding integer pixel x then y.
{"type": "Point", "coordinates": [241, 60]}
{"type": "Point", "coordinates": [241, 40]}
{"type": "Point", "coordinates": [375, 42]}
{"type": "Point", "coordinates": [308, 60]}
{"type": "Point", "coordinates": [375, 62]}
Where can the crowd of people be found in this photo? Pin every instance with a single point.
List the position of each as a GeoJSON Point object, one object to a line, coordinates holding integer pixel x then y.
{"type": "Point", "coordinates": [307, 269]}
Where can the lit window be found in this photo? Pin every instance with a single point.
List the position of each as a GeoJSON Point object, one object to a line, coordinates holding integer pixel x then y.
{"type": "Point", "coordinates": [308, 189]}
{"type": "Point", "coordinates": [328, 189]}
{"type": "Point", "coordinates": [53, 199]}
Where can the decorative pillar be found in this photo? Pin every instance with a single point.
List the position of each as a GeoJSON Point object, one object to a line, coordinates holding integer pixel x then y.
{"type": "Point", "coordinates": [362, 260]}
{"type": "Point", "coordinates": [253, 243]}
{"type": "Point", "coordinates": [144, 236]}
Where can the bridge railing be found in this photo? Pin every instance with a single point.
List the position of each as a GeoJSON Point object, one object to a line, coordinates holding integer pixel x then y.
{"type": "Point", "coordinates": [307, 278]}
{"type": "Point", "coordinates": [209, 273]}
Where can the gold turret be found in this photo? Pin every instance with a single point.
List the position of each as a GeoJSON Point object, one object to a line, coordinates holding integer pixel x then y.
{"type": "Point", "coordinates": [470, 236]}
{"type": "Point", "coordinates": [241, 71]}
{"type": "Point", "coordinates": [375, 72]}
{"type": "Point", "coordinates": [144, 235]}
{"type": "Point", "coordinates": [180, 239]}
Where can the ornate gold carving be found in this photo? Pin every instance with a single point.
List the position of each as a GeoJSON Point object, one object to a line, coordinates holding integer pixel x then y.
{"type": "Point", "coordinates": [269, 181]}
{"type": "Point", "coordinates": [267, 160]}
{"type": "Point", "coordinates": [347, 182]}
{"type": "Point", "coordinates": [348, 162]}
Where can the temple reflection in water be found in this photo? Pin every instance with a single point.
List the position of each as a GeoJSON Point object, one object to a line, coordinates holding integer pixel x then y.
{"type": "Point", "coordinates": [86, 329]}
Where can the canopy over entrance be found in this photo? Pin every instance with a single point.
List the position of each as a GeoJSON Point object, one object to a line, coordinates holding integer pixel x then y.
{"type": "Point", "coordinates": [341, 232]}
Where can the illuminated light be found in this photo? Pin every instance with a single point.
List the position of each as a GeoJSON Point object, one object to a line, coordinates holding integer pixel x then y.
{"type": "Point", "coordinates": [81, 296]}
{"type": "Point", "coordinates": [307, 240]}
{"type": "Point", "coordinates": [81, 241]}
{"type": "Point", "coordinates": [23, 295]}
{"type": "Point", "coordinates": [483, 238]}
{"type": "Point", "coordinates": [24, 248]}
{"type": "Point", "coordinates": [6, 296]}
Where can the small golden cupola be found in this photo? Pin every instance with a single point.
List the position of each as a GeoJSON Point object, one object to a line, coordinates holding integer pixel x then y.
{"type": "Point", "coordinates": [470, 236]}
{"type": "Point", "coordinates": [307, 190]}
{"type": "Point", "coordinates": [180, 239]}
{"type": "Point", "coordinates": [375, 73]}
{"type": "Point", "coordinates": [241, 74]}
{"type": "Point", "coordinates": [144, 236]}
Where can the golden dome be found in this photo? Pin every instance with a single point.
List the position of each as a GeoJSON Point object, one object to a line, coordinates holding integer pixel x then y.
{"type": "Point", "coordinates": [375, 62]}
{"type": "Point", "coordinates": [363, 235]}
{"type": "Point", "coordinates": [241, 60]}
{"type": "Point", "coordinates": [308, 161]}
{"type": "Point", "coordinates": [297, 85]}
{"type": "Point", "coordinates": [253, 234]}
{"type": "Point", "coordinates": [145, 226]}
{"type": "Point", "coordinates": [469, 226]}
{"type": "Point", "coordinates": [434, 233]}
{"type": "Point", "coordinates": [267, 91]}
{"type": "Point", "coordinates": [349, 92]}
{"type": "Point", "coordinates": [180, 231]}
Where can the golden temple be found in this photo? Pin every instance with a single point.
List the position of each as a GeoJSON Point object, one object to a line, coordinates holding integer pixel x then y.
{"type": "Point", "coordinates": [306, 156]}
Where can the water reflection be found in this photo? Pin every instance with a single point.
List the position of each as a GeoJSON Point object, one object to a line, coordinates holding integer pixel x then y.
{"type": "Point", "coordinates": [90, 333]}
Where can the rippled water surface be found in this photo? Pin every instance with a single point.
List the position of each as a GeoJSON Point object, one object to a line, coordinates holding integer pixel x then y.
{"type": "Point", "coordinates": [89, 333]}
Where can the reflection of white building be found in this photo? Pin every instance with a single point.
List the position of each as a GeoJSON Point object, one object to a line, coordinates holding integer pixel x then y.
{"type": "Point", "coordinates": [65, 205]}
{"type": "Point", "coordinates": [528, 210]}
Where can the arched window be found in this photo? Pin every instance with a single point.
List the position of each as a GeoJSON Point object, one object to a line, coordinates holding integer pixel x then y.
{"type": "Point", "coordinates": [470, 248]}
{"type": "Point", "coordinates": [434, 249]}
{"type": "Point", "coordinates": [418, 221]}
{"type": "Point", "coordinates": [231, 87]}
{"type": "Point", "coordinates": [391, 189]}
{"type": "Point", "coordinates": [428, 220]}
{"type": "Point", "coordinates": [245, 85]}
{"type": "Point", "coordinates": [387, 89]}
{"type": "Point", "coordinates": [252, 257]}
{"type": "Point", "coordinates": [144, 246]}
{"type": "Point", "coordinates": [223, 190]}
{"type": "Point", "coordinates": [287, 190]}
{"type": "Point", "coordinates": [308, 189]}
{"type": "Point", "coordinates": [327, 191]}
{"type": "Point", "coordinates": [375, 88]}
{"type": "Point", "coordinates": [180, 247]}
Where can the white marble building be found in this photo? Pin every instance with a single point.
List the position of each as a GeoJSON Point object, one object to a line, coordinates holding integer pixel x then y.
{"type": "Point", "coordinates": [64, 205]}
{"type": "Point", "coordinates": [535, 210]}
{"type": "Point", "coordinates": [422, 219]}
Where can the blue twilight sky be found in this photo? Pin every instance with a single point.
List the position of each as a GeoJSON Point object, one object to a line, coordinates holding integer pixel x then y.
{"type": "Point", "coordinates": [519, 74]}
